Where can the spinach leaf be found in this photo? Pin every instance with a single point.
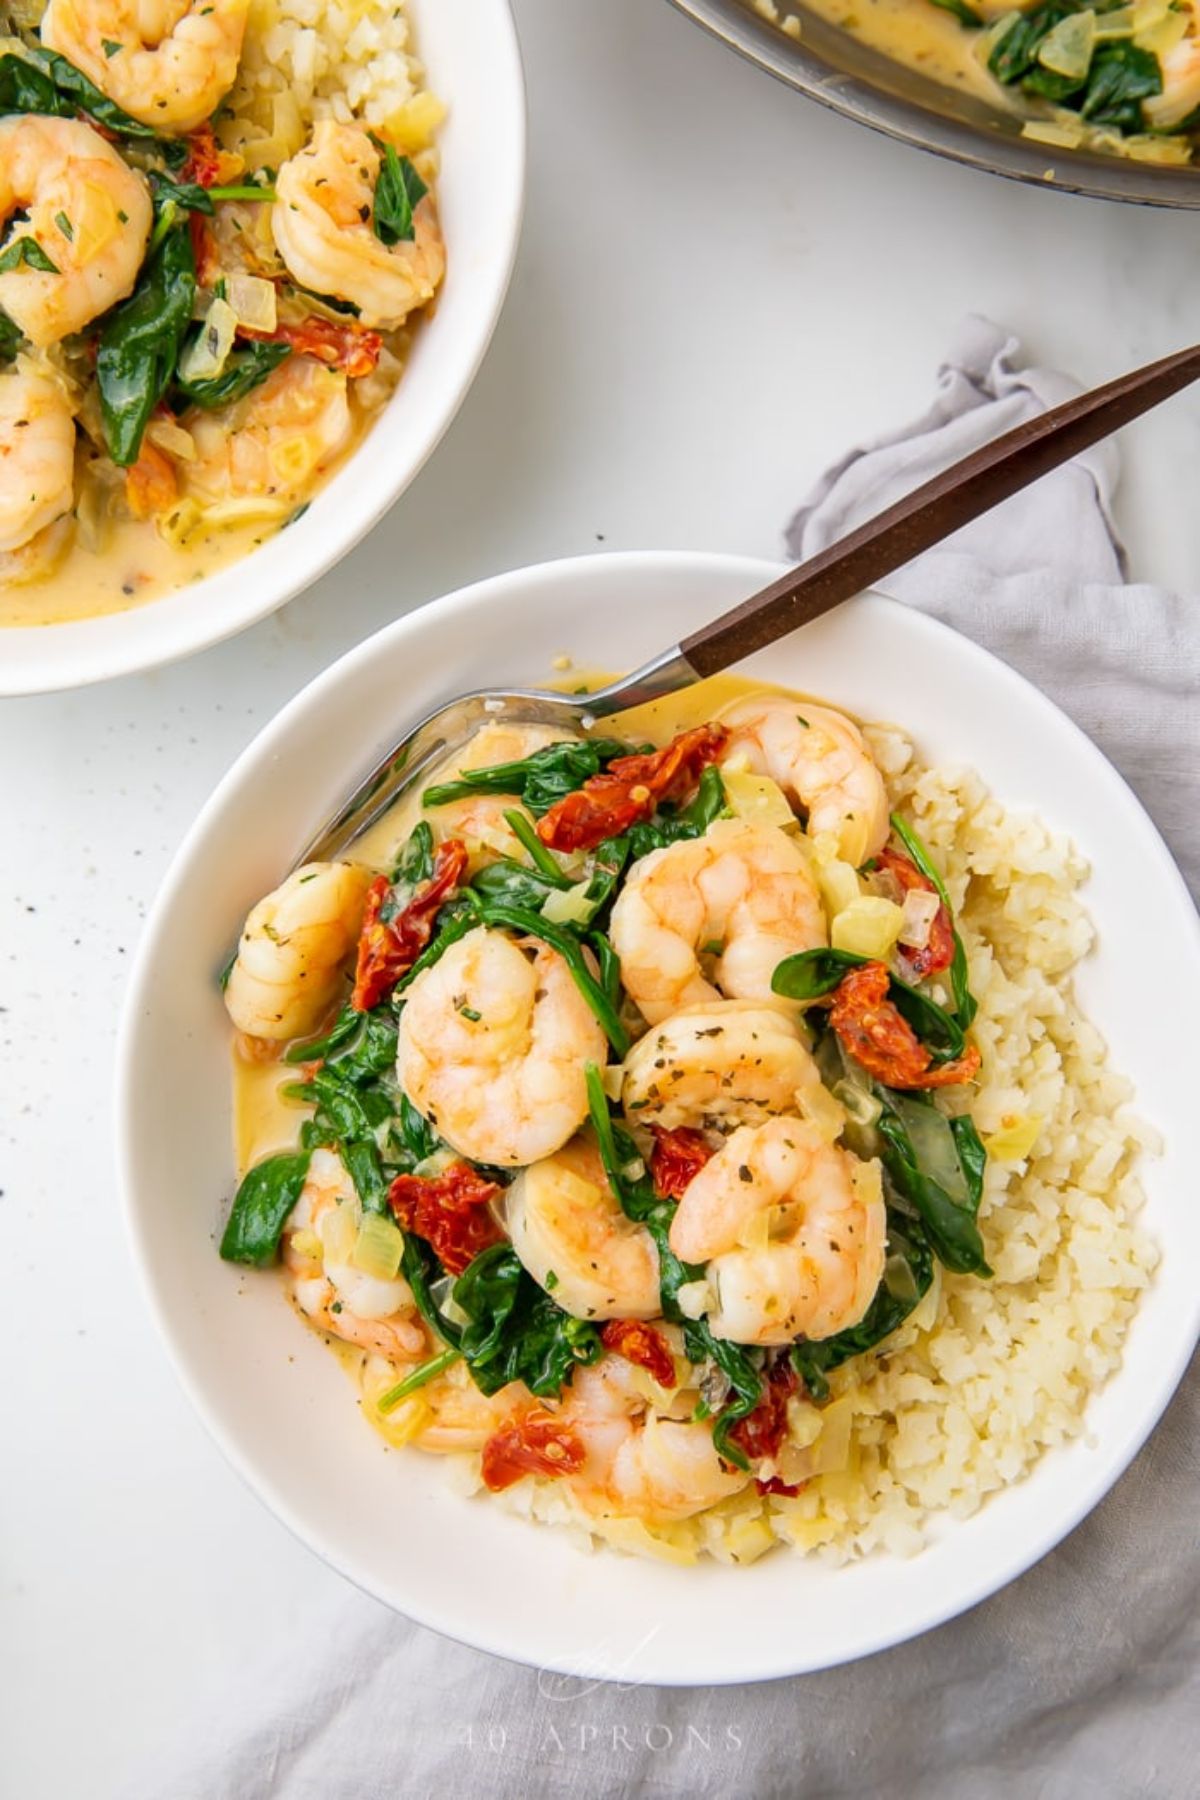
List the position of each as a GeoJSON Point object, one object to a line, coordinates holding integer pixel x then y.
{"type": "Point", "coordinates": [672, 825]}
{"type": "Point", "coordinates": [1120, 78]}
{"type": "Point", "coordinates": [538, 780]}
{"type": "Point", "coordinates": [355, 1097]}
{"type": "Point", "coordinates": [514, 884]}
{"type": "Point", "coordinates": [139, 345]}
{"type": "Point", "coordinates": [415, 862]}
{"type": "Point", "coordinates": [516, 1332]}
{"type": "Point", "coordinates": [412, 1137]}
{"type": "Point", "coordinates": [811, 974]}
{"type": "Point", "coordinates": [398, 189]}
{"type": "Point", "coordinates": [27, 250]}
{"type": "Point", "coordinates": [260, 1209]}
{"type": "Point", "coordinates": [245, 369]}
{"type": "Point", "coordinates": [949, 1225]}
{"type": "Point", "coordinates": [11, 338]}
{"type": "Point", "coordinates": [316, 1049]}
{"type": "Point", "coordinates": [891, 1306]}
{"type": "Point", "coordinates": [965, 1004]}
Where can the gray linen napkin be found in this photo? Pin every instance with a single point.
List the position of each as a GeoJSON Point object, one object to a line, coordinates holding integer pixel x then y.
{"type": "Point", "coordinates": [1081, 1679]}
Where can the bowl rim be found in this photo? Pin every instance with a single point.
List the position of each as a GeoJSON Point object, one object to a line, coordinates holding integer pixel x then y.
{"type": "Point", "coordinates": [1083, 172]}
{"type": "Point", "coordinates": [1092, 1484]}
{"type": "Point", "coordinates": [82, 652]}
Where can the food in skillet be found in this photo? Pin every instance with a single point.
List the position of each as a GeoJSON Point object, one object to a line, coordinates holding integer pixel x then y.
{"type": "Point", "coordinates": [1118, 77]}
{"type": "Point", "coordinates": [699, 1143]}
{"type": "Point", "coordinates": [217, 230]}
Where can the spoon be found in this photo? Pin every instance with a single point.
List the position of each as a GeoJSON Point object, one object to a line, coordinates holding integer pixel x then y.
{"type": "Point", "coordinates": [885, 543]}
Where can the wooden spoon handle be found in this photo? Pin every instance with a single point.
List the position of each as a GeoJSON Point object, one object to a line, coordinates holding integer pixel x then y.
{"type": "Point", "coordinates": [935, 510]}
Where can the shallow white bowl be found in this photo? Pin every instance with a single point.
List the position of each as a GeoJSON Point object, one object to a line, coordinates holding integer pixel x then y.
{"type": "Point", "coordinates": [277, 1401]}
{"type": "Point", "coordinates": [469, 49]}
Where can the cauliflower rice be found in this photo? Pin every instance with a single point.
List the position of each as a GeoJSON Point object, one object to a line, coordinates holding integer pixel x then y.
{"type": "Point", "coordinates": [985, 1375]}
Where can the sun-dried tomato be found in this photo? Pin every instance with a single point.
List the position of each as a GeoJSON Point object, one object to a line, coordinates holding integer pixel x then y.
{"type": "Point", "coordinates": [938, 950]}
{"type": "Point", "coordinates": [884, 1043]}
{"type": "Point", "coordinates": [388, 948]}
{"type": "Point", "coordinates": [761, 1433]}
{"type": "Point", "coordinates": [450, 1211]}
{"type": "Point", "coordinates": [203, 165]}
{"type": "Point", "coordinates": [349, 347]}
{"type": "Point", "coordinates": [641, 1344]}
{"type": "Point", "coordinates": [205, 253]}
{"type": "Point", "coordinates": [150, 483]}
{"type": "Point", "coordinates": [534, 1443]}
{"type": "Point", "coordinates": [677, 1157]}
{"type": "Point", "coordinates": [630, 789]}
{"type": "Point", "coordinates": [775, 1485]}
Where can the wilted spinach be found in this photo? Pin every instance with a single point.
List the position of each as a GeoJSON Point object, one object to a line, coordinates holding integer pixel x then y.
{"type": "Point", "coordinates": [260, 1209]}
{"type": "Point", "coordinates": [398, 190]}
{"type": "Point", "coordinates": [140, 342]}
{"type": "Point", "coordinates": [538, 780]}
{"type": "Point", "coordinates": [244, 370]}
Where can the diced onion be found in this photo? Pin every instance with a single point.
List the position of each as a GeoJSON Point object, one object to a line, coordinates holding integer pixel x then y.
{"type": "Point", "coordinates": [838, 884]}
{"type": "Point", "coordinates": [378, 1247]}
{"type": "Point", "coordinates": [831, 1452]}
{"type": "Point", "coordinates": [1015, 1139]}
{"type": "Point", "coordinates": [307, 1244]}
{"type": "Point", "coordinates": [206, 357]}
{"type": "Point", "coordinates": [1067, 47]}
{"type": "Point", "coordinates": [821, 1108]}
{"type": "Point", "coordinates": [862, 1106]}
{"type": "Point", "coordinates": [920, 909]}
{"type": "Point", "coordinates": [869, 926]}
{"type": "Point", "coordinates": [899, 1279]}
{"type": "Point", "coordinates": [338, 1231]}
{"type": "Point", "coordinates": [694, 1299]}
{"type": "Point", "coordinates": [568, 906]}
{"type": "Point", "coordinates": [172, 438]}
{"type": "Point", "coordinates": [756, 798]}
{"type": "Point", "coordinates": [253, 301]}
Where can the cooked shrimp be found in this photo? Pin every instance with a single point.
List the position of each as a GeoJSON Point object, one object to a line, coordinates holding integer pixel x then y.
{"type": "Point", "coordinates": [324, 232]}
{"type": "Point", "coordinates": [742, 895]}
{"type": "Point", "coordinates": [818, 757]}
{"type": "Point", "coordinates": [378, 1315]}
{"type": "Point", "coordinates": [173, 62]}
{"type": "Point", "coordinates": [568, 1229]}
{"type": "Point", "coordinates": [88, 215]}
{"type": "Point", "coordinates": [293, 951]}
{"type": "Point", "coordinates": [732, 1062]}
{"type": "Point", "coordinates": [792, 1229]}
{"type": "Point", "coordinates": [478, 819]}
{"type": "Point", "coordinates": [638, 1465]}
{"type": "Point", "coordinates": [494, 1039]}
{"type": "Point", "coordinates": [278, 440]}
{"type": "Point", "coordinates": [1180, 67]}
{"type": "Point", "coordinates": [37, 457]}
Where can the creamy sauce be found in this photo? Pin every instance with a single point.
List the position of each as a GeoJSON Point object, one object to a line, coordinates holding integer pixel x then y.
{"type": "Point", "coordinates": [921, 35]}
{"type": "Point", "coordinates": [135, 566]}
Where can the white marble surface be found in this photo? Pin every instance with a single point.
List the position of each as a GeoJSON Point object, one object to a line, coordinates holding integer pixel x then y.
{"type": "Point", "coordinates": [720, 286]}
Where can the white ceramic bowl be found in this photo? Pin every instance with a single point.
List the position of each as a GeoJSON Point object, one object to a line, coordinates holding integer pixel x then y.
{"type": "Point", "coordinates": [470, 52]}
{"type": "Point", "coordinates": [278, 1402]}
